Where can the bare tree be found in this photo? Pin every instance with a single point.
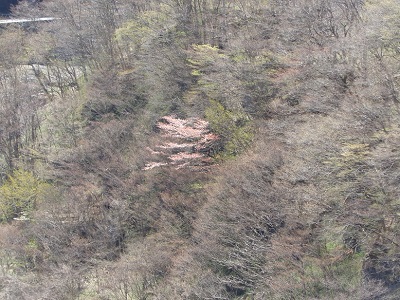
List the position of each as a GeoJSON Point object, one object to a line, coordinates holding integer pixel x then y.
{"type": "Point", "coordinates": [18, 98]}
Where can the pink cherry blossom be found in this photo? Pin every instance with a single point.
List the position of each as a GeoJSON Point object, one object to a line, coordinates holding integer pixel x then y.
{"type": "Point", "coordinates": [186, 143]}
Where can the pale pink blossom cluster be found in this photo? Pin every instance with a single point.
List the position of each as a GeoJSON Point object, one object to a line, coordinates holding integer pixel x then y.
{"type": "Point", "coordinates": [187, 143]}
{"type": "Point", "coordinates": [185, 129]}
{"type": "Point", "coordinates": [153, 165]}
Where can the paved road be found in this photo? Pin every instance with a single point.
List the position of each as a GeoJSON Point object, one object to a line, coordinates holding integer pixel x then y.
{"type": "Point", "coordinates": [10, 21]}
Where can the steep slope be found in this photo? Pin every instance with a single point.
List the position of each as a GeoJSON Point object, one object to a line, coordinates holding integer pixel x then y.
{"type": "Point", "coordinates": [202, 150]}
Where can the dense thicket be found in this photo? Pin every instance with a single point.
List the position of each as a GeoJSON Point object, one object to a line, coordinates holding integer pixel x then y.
{"type": "Point", "coordinates": [186, 149]}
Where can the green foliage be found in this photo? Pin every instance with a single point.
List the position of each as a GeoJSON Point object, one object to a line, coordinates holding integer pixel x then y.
{"type": "Point", "coordinates": [204, 55]}
{"type": "Point", "coordinates": [20, 194]}
{"type": "Point", "coordinates": [349, 271]}
{"type": "Point", "coordinates": [138, 32]}
{"type": "Point", "coordinates": [64, 123]}
{"type": "Point", "coordinates": [212, 73]}
{"type": "Point", "coordinates": [210, 70]}
{"type": "Point", "coordinates": [132, 33]}
{"type": "Point", "coordinates": [233, 127]}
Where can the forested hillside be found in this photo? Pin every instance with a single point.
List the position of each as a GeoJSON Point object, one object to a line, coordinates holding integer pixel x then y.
{"type": "Point", "coordinates": [213, 149]}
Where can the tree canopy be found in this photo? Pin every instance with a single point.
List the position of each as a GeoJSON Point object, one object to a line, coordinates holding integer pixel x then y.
{"type": "Point", "coordinates": [214, 149]}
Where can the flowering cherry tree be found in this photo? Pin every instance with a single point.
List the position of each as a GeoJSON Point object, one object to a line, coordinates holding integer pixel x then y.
{"type": "Point", "coordinates": [187, 143]}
